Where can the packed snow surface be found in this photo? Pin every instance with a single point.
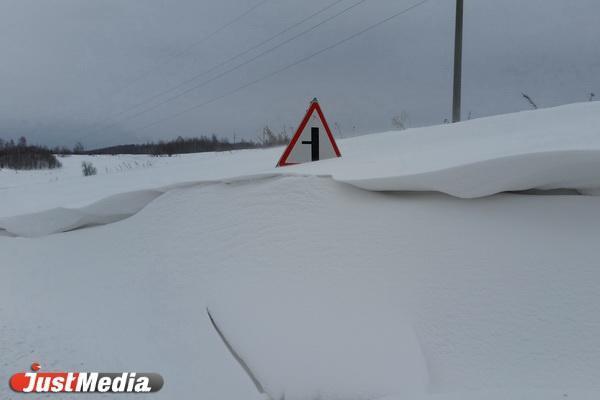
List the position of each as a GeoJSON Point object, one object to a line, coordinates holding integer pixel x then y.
{"type": "Point", "coordinates": [326, 290]}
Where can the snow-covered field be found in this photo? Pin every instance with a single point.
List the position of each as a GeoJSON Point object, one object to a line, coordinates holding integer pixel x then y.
{"type": "Point", "coordinates": [400, 270]}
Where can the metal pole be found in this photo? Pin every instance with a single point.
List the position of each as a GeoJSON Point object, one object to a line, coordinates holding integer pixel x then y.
{"type": "Point", "coordinates": [458, 28]}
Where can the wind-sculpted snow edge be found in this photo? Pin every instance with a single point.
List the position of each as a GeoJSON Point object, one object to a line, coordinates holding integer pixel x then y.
{"type": "Point", "coordinates": [577, 170]}
{"type": "Point", "coordinates": [105, 211]}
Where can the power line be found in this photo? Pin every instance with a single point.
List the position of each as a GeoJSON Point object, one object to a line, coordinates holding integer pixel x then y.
{"type": "Point", "coordinates": [236, 56]}
{"type": "Point", "coordinates": [220, 75]}
{"type": "Point", "coordinates": [97, 126]}
{"type": "Point", "coordinates": [193, 45]}
{"type": "Point", "coordinates": [280, 70]}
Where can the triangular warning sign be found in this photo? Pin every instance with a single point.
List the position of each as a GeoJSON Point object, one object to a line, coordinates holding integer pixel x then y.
{"type": "Point", "coordinates": [312, 141]}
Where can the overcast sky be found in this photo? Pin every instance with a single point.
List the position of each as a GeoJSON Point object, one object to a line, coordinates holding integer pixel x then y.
{"type": "Point", "coordinates": [69, 67]}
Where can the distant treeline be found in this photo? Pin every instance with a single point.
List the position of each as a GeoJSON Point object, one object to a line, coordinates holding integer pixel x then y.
{"type": "Point", "coordinates": [177, 146]}
{"type": "Point", "coordinates": [23, 156]}
{"type": "Point", "coordinates": [20, 155]}
{"type": "Point", "coordinates": [193, 145]}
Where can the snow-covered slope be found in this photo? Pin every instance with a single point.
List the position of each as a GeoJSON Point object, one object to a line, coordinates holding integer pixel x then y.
{"type": "Point", "coordinates": [435, 157]}
{"type": "Point", "coordinates": [544, 149]}
{"type": "Point", "coordinates": [25, 192]}
{"type": "Point", "coordinates": [325, 289]}
{"type": "Point", "coordinates": [556, 148]}
{"type": "Point", "coordinates": [110, 209]}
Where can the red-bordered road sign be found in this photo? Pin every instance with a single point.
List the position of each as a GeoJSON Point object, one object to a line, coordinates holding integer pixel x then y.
{"type": "Point", "coordinates": [312, 141]}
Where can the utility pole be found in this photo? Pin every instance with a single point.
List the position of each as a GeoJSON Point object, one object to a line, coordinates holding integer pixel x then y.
{"type": "Point", "coordinates": [458, 28]}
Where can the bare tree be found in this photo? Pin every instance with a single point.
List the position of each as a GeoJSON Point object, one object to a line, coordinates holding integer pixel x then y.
{"type": "Point", "coordinates": [78, 149]}
{"type": "Point", "coordinates": [269, 138]}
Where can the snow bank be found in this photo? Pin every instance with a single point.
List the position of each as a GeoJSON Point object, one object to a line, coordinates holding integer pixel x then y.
{"type": "Point", "coordinates": [543, 149]}
{"type": "Point", "coordinates": [110, 209]}
{"type": "Point", "coordinates": [570, 169]}
{"type": "Point", "coordinates": [557, 148]}
{"type": "Point", "coordinates": [326, 290]}
{"type": "Point", "coordinates": [26, 192]}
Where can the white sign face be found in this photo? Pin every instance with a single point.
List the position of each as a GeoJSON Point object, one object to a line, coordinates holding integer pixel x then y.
{"type": "Point", "coordinates": [312, 141]}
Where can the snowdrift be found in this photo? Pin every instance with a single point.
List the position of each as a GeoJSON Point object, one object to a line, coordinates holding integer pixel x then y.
{"type": "Point", "coordinates": [578, 170]}
{"type": "Point", "coordinates": [327, 291]}
{"type": "Point", "coordinates": [555, 148]}
{"type": "Point", "coordinates": [110, 209]}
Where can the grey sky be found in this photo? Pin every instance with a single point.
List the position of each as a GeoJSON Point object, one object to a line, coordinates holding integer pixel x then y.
{"type": "Point", "coordinates": [68, 66]}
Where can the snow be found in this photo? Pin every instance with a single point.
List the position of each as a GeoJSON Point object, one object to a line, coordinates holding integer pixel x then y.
{"type": "Point", "coordinates": [556, 148]}
{"type": "Point", "coordinates": [325, 289]}
{"type": "Point", "coordinates": [25, 192]}
{"type": "Point", "coordinates": [338, 320]}
{"type": "Point", "coordinates": [544, 149]}
{"type": "Point", "coordinates": [110, 209]}
{"type": "Point", "coordinates": [553, 148]}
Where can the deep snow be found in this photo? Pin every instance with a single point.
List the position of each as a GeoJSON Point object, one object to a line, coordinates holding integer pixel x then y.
{"type": "Point", "coordinates": [557, 148]}
{"type": "Point", "coordinates": [321, 287]}
{"type": "Point", "coordinates": [546, 149]}
{"type": "Point", "coordinates": [326, 290]}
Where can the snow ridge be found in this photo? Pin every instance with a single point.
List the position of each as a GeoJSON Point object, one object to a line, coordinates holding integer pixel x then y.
{"type": "Point", "coordinates": [570, 169]}
{"type": "Point", "coordinates": [105, 211]}
{"type": "Point", "coordinates": [556, 148]}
